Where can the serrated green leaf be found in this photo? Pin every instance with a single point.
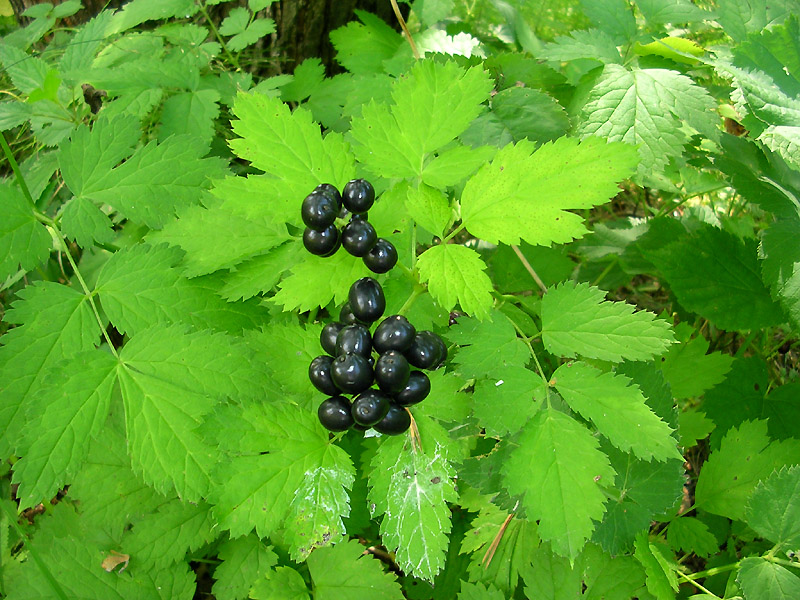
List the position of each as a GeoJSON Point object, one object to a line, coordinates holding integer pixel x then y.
{"type": "Point", "coordinates": [592, 44]}
{"type": "Point", "coordinates": [525, 194]}
{"type": "Point", "coordinates": [551, 576]}
{"type": "Point", "coordinates": [716, 274]}
{"type": "Point", "coordinates": [503, 402]}
{"type": "Point", "coordinates": [83, 47]}
{"type": "Point", "coordinates": [688, 368]}
{"type": "Point", "coordinates": [235, 22]}
{"type": "Point", "coordinates": [284, 583]}
{"type": "Point", "coordinates": [617, 409]}
{"type": "Point", "coordinates": [477, 591]}
{"type": "Point", "coordinates": [745, 457]}
{"type": "Point", "coordinates": [692, 536]}
{"type": "Point", "coordinates": [429, 208]}
{"type": "Point", "coordinates": [761, 579]}
{"type": "Point", "coordinates": [139, 11]}
{"type": "Point", "coordinates": [27, 72]}
{"type": "Point", "coordinates": [164, 537]}
{"type": "Point", "coordinates": [190, 113]}
{"type": "Point", "coordinates": [453, 165]}
{"type": "Point", "coordinates": [259, 274]}
{"type": "Point", "coordinates": [24, 242]}
{"type": "Point", "coordinates": [615, 17]}
{"type": "Point", "coordinates": [244, 561]}
{"type": "Point", "coordinates": [486, 345]}
{"type": "Point", "coordinates": [576, 319]}
{"type": "Point", "coordinates": [83, 222]}
{"type": "Point", "coordinates": [141, 286]}
{"type": "Point", "coordinates": [455, 275]}
{"type": "Point", "coordinates": [780, 265]}
{"type": "Point", "coordinates": [648, 108]}
{"type": "Point", "coordinates": [530, 114]}
{"type": "Point", "coordinates": [693, 426]}
{"type": "Point", "coordinates": [671, 11]}
{"type": "Point", "coordinates": [254, 32]}
{"type": "Point", "coordinates": [661, 579]}
{"type": "Point", "coordinates": [607, 578]}
{"type": "Point", "coordinates": [69, 410]}
{"type": "Point", "coordinates": [308, 76]}
{"type": "Point", "coordinates": [362, 48]}
{"type": "Point", "coordinates": [344, 571]}
{"type": "Point", "coordinates": [738, 19]}
{"type": "Point", "coordinates": [557, 467]}
{"type": "Point", "coordinates": [773, 509]}
{"type": "Point", "coordinates": [55, 322]}
{"type": "Point", "coordinates": [170, 380]}
{"type": "Point", "coordinates": [435, 103]}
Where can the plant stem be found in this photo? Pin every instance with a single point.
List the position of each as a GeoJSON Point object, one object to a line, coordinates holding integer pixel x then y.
{"type": "Point", "coordinates": [695, 584]}
{"type": "Point", "coordinates": [210, 22]}
{"type": "Point", "coordinates": [15, 168]}
{"type": "Point", "coordinates": [714, 571]}
{"type": "Point", "coordinates": [529, 268]}
{"type": "Point", "coordinates": [418, 289]}
{"type": "Point", "coordinates": [535, 359]}
{"type": "Point", "coordinates": [453, 233]}
{"type": "Point", "coordinates": [404, 27]}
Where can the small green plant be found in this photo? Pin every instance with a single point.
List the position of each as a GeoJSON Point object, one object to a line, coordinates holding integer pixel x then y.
{"type": "Point", "coordinates": [600, 229]}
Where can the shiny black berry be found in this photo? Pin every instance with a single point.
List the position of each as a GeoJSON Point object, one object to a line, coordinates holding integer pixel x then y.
{"type": "Point", "coordinates": [322, 243]}
{"type": "Point", "coordinates": [393, 333]}
{"type": "Point", "coordinates": [382, 257]}
{"type": "Point", "coordinates": [346, 315]}
{"type": "Point", "coordinates": [369, 407]}
{"type": "Point", "coordinates": [354, 339]}
{"type": "Point", "coordinates": [351, 373]}
{"type": "Point", "coordinates": [416, 390]}
{"type": "Point", "coordinates": [366, 299]}
{"type": "Point", "coordinates": [396, 421]}
{"type": "Point", "coordinates": [359, 237]}
{"type": "Point", "coordinates": [319, 372]}
{"type": "Point", "coordinates": [392, 372]}
{"type": "Point", "coordinates": [328, 335]}
{"type": "Point", "coordinates": [331, 192]}
{"type": "Point", "coordinates": [427, 350]}
{"type": "Point", "coordinates": [319, 211]}
{"type": "Point", "coordinates": [335, 414]}
{"type": "Point", "coordinates": [358, 195]}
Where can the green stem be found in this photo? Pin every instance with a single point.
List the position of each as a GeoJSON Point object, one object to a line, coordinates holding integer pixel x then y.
{"type": "Point", "coordinates": [695, 584]}
{"type": "Point", "coordinates": [337, 437]}
{"type": "Point", "coordinates": [214, 29]}
{"type": "Point", "coordinates": [453, 233]}
{"type": "Point", "coordinates": [418, 289]}
{"type": "Point", "coordinates": [12, 519]}
{"type": "Point", "coordinates": [714, 571]}
{"type": "Point", "coordinates": [535, 360]}
{"type": "Point", "coordinates": [15, 168]}
{"type": "Point", "coordinates": [606, 271]}
{"type": "Point", "coordinates": [785, 563]}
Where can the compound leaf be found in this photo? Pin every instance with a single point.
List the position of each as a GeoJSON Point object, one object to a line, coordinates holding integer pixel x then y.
{"type": "Point", "coordinates": [691, 535]}
{"type": "Point", "coordinates": [525, 194]}
{"type": "Point", "coordinates": [781, 265]}
{"type": "Point", "coordinates": [361, 48]}
{"type": "Point", "coordinates": [505, 400]}
{"type": "Point", "coordinates": [24, 242]}
{"type": "Point", "coordinates": [761, 579]}
{"type": "Point", "coordinates": [244, 561]}
{"type": "Point", "coordinates": [773, 510]}
{"type": "Point", "coordinates": [456, 274]}
{"type": "Point", "coordinates": [486, 345]}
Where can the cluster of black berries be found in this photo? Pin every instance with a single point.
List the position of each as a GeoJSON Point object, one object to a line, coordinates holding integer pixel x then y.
{"type": "Point", "coordinates": [356, 359]}
{"type": "Point", "coordinates": [322, 237]}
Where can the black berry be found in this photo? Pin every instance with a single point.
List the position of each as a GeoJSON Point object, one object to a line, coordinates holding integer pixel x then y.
{"type": "Point", "coordinates": [394, 333]}
{"type": "Point", "coordinates": [367, 300]}
{"type": "Point", "coordinates": [396, 421]}
{"type": "Point", "coordinates": [351, 373]}
{"type": "Point", "coordinates": [354, 339]}
{"type": "Point", "coordinates": [392, 372]}
{"type": "Point", "coordinates": [335, 414]}
{"type": "Point", "coordinates": [327, 337]}
{"type": "Point", "coordinates": [427, 351]}
{"type": "Point", "coordinates": [322, 243]}
{"type": "Point", "coordinates": [319, 372]}
{"type": "Point", "coordinates": [319, 211]}
{"type": "Point", "coordinates": [346, 315]}
{"type": "Point", "coordinates": [358, 195]}
{"type": "Point", "coordinates": [369, 407]}
{"type": "Point", "coordinates": [416, 390]}
{"type": "Point", "coordinates": [359, 237]}
{"type": "Point", "coordinates": [331, 192]}
{"type": "Point", "coordinates": [382, 257]}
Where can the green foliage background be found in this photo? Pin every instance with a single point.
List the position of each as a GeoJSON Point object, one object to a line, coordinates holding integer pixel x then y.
{"type": "Point", "coordinates": [595, 204]}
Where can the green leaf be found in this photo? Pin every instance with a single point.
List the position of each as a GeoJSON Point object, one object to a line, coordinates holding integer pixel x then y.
{"type": "Point", "coordinates": [738, 19]}
{"type": "Point", "coordinates": [362, 49]}
{"type": "Point", "coordinates": [617, 409]}
{"type": "Point", "coordinates": [410, 488]}
{"type": "Point", "coordinates": [745, 457]}
{"type": "Point", "coordinates": [781, 265]}
{"type": "Point", "coordinates": [476, 591]}
{"type": "Point", "coordinates": [259, 274]}
{"type": "Point", "coordinates": [688, 368]}
{"type": "Point", "coordinates": [164, 537]}
{"type": "Point", "coordinates": [715, 274]}
{"type": "Point", "coordinates": [455, 275]}
{"type": "Point", "coordinates": [24, 242]}
{"type": "Point", "coordinates": [257, 5]}
{"type": "Point", "coordinates": [486, 345]}
{"type": "Point", "coordinates": [693, 427]}
{"type": "Point", "coordinates": [309, 75]}
{"type": "Point", "coordinates": [137, 12]}
{"type": "Point", "coordinates": [607, 578]}
{"type": "Point", "coordinates": [648, 108]}
{"type": "Point", "coordinates": [659, 12]}
{"type": "Point", "coordinates": [170, 380]}
{"type": "Point", "coordinates": [254, 32]}
{"type": "Point", "coordinates": [764, 580]}
{"type": "Point", "coordinates": [530, 114]}
{"type": "Point", "coordinates": [69, 410]}
{"type": "Point", "coordinates": [774, 508]}
{"type": "Point", "coordinates": [429, 208]}
{"type": "Point", "coordinates": [284, 583]}
{"type": "Point", "coordinates": [659, 569]}
{"type": "Point", "coordinates": [190, 113]}
{"type": "Point", "coordinates": [235, 22]}
{"type": "Point", "coordinates": [27, 72]}
{"type": "Point", "coordinates": [344, 571]}
{"type": "Point", "coordinates": [431, 106]}
{"type": "Point", "coordinates": [614, 17]}
{"type": "Point", "coordinates": [453, 165]}
{"type": "Point", "coordinates": [244, 562]}
{"type": "Point", "coordinates": [691, 536]}
{"type": "Point", "coordinates": [592, 44]}
{"type": "Point", "coordinates": [83, 222]}
{"type": "Point", "coordinates": [504, 401]}
{"type": "Point", "coordinates": [551, 576]}
{"type": "Point", "coordinates": [525, 194]}
{"type": "Point", "coordinates": [576, 319]}
{"type": "Point", "coordinates": [55, 322]}
{"type": "Point", "coordinates": [558, 466]}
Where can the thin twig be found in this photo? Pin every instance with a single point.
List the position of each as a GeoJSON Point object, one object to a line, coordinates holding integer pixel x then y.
{"type": "Point", "coordinates": [529, 268]}
{"type": "Point", "coordinates": [489, 555]}
{"type": "Point", "coordinates": [404, 27]}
